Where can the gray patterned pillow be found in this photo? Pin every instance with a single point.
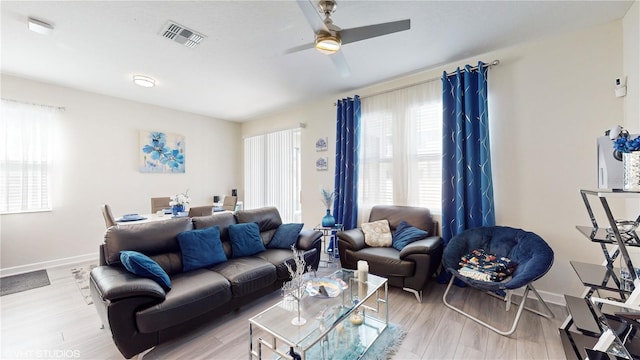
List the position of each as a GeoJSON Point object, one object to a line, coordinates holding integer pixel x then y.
{"type": "Point", "coordinates": [377, 233]}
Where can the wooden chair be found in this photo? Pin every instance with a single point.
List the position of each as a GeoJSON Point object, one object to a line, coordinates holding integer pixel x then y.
{"type": "Point", "coordinates": [201, 211]}
{"type": "Point", "coordinates": [229, 203]}
{"type": "Point", "coordinates": [109, 220]}
{"type": "Point", "coordinates": [159, 203]}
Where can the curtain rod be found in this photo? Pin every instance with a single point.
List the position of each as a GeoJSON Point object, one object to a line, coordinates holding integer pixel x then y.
{"type": "Point", "coordinates": [60, 108]}
{"type": "Point", "coordinates": [488, 65]}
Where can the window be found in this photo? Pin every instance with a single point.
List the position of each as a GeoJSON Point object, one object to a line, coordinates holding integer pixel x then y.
{"type": "Point", "coordinates": [25, 156]}
{"type": "Point", "coordinates": [272, 173]}
{"type": "Point", "coordinates": [401, 148]}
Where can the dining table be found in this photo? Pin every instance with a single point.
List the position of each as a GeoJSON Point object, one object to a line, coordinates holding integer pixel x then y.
{"type": "Point", "coordinates": [136, 219]}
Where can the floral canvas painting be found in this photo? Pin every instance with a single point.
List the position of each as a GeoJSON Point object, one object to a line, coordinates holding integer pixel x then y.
{"type": "Point", "coordinates": [161, 152]}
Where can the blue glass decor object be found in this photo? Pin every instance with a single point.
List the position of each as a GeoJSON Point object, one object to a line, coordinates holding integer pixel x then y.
{"type": "Point", "coordinates": [175, 209]}
{"type": "Point", "coordinates": [328, 220]}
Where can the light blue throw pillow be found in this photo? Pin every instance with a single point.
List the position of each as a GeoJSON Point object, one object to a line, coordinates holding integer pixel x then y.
{"type": "Point", "coordinates": [245, 239]}
{"type": "Point", "coordinates": [201, 248]}
{"type": "Point", "coordinates": [286, 236]}
{"type": "Point", "coordinates": [406, 234]}
{"type": "Point", "coordinates": [140, 264]}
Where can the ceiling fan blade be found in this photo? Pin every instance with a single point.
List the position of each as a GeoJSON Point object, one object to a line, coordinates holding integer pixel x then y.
{"type": "Point", "coordinates": [341, 64]}
{"type": "Point", "coordinates": [371, 31]}
{"type": "Point", "coordinates": [312, 14]}
{"type": "Point", "coordinates": [300, 48]}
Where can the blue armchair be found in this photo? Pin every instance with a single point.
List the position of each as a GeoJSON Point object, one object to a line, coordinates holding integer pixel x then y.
{"type": "Point", "coordinates": [531, 254]}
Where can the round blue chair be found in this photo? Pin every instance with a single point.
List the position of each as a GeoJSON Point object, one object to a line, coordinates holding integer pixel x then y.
{"type": "Point", "coordinates": [531, 254]}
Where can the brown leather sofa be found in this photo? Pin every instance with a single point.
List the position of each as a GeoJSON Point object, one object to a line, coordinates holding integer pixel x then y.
{"type": "Point", "coordinates": [409, 269]}
{"type": "Point", "coordinates": [138, 311]}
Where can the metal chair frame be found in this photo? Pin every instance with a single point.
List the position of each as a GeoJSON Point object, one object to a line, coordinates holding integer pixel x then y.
{"type": "Point", "coordinates": [521, 307]}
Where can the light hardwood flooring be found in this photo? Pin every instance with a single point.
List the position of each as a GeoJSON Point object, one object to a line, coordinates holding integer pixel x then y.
{"type": "Point", "coordinates": [55, 322]}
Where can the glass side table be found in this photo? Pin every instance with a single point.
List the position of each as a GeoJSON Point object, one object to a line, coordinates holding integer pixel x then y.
{"type": "Point", "coordinates": [329, 242]}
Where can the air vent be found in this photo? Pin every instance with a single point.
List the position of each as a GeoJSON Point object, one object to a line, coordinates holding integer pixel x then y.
{"type": "Point", "coordinates": [181, 34]}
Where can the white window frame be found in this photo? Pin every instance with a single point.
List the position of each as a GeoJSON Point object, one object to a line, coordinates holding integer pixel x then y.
{"type": "Point", "coordinates": [272, 175]}
{"type": "Point", "coordinates": [26, 156]}
{"type": "Point", "coordinates": [400, 155]}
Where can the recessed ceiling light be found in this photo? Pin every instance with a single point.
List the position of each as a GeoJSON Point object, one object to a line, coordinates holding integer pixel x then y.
{"type": "Point", "coordinates": [39, 26]}
{"type": "Point", "coordinates": [144, 81]}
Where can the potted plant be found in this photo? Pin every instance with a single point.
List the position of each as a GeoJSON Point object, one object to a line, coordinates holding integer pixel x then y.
{"type": "Point", "coordinates": [178, 202]}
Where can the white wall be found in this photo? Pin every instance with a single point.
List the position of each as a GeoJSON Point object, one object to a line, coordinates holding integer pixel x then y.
{"type": "Point", "coordinates": [98, 163]}
{"type": "Point", "coordinates": [549, 100]}
{"type": "Point", "coordinates": [631, 66]}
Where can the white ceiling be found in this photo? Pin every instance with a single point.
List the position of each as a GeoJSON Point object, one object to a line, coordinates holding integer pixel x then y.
{"type": "Point", "coordinates": [240, 70]}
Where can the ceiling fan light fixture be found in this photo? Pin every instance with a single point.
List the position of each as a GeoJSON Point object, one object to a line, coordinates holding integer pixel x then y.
{"type": "Point", "coordinates": [327, 43]}
{"type": "Point", "coordinates": [144, 81]}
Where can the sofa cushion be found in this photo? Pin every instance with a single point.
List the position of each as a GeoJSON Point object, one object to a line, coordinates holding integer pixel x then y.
{"type": "Point", "coordinates": [267, 218]}
{"type": "Point", "coordinates": [377, 233]}
{"type": "Point", "coordinates": [245, 240]}
{"type": "Point", "coordinates": [406, 234]}
{"type": "Point", "coordinates": [201, 248]}
{"type": "Point", "coordinates": [384, 261]}
{"type": "Point", "coordinates": [416, 216]}
{"type": "Point", "coordinates": [247, 275]}
{"type": "Point", "coordinates": [222, 220]}
{"type": "Point", "coordinates": [141, 265]}
{"type": "Point", "coordinates": [194, 293]}
{"type": "Point", "coordinates": [286, 236]}
{"type": "Point", "coordinates": [156, 239]}
{"type": "Point", "coordinates": [278, 257]}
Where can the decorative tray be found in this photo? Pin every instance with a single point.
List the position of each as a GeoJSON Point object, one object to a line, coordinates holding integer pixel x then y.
{"type": "Point", "coordinates": [325, 287]}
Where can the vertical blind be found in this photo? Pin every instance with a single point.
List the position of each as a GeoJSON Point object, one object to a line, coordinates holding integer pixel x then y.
{"type": "Point", "coordinates": [272, 172]}
{"type": "Point", "coordinates": [26, 132]}
{"type": "Point", "coordinates": [401, 148]}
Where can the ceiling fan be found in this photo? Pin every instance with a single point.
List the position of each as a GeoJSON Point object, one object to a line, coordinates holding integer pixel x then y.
{"type": "Point", "coordinates": [329, 37]}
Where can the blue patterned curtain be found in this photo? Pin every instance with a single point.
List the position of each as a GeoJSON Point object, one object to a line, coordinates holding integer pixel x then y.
{"type": "Point", "coordinates": [345, 205]}
{"type": "Point", "coordinates": [467, 187]}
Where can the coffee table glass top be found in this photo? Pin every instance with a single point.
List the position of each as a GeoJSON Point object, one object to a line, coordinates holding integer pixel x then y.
{"type": "Point", "coordinates": [321, 313]}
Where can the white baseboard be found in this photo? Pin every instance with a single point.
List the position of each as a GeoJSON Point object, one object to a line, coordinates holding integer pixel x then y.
{"type": "Point", "coordinates": [48, 264]}
{"type": "Point", "coordinates": [552, 298]}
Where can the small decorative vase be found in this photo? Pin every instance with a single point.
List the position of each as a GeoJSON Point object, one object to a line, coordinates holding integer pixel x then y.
{"type": "Point", "coordinates": [631, 171]}
{"type": "Point", "coordinates": [328, 220]}
{"type": "Point", "coordinates": [175, 209]}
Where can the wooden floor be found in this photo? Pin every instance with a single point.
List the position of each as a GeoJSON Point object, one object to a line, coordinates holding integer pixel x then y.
{"type": "Point", "coordinates": [55, 322]}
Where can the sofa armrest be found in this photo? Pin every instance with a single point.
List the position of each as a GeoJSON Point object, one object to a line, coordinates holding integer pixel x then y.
{"type": "Point", "coordinates": [308, 239]}
{"type": "Point", "coordinates": [354, 238]}
{"type": "Point", "coordinates": [113, 283]}
{"type": "Point", "coordinates": [424, 246]}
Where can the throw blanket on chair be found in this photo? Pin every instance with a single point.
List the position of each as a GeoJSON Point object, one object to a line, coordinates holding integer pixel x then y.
{"type": "Point", "coordinates": [482, 266]}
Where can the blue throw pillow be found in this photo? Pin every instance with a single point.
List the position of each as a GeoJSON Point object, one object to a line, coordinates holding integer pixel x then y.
{"type": "Point", "coordinates": [142, 265]}
{"type": "Point", "coordinates": [406, 234]}
{"type": "Point", "coordinates": [285, 237]}
{"type": "Point", "coordinates": [201, 248]}
{"type": "Point", "coordinates": [245, 239]}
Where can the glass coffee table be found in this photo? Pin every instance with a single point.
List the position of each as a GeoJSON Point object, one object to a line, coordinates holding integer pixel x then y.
{"type": "Point", "coordinates": [350, 321]}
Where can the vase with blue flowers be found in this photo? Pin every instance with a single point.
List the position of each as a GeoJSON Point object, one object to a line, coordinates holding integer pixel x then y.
{"type": "Point", "coordinates": [628, 149]}
{"type": "Point", "coordinates": [178, 203]}
{"type": "Point", "coordinates": [327, 199]}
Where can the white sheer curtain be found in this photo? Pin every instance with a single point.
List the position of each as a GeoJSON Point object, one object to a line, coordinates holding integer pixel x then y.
{"type": "Point", "coordinates": [26, 132]}
{"type": "Point", "coordinates": [272, 173]}
{"type": "Point", "coordinates": [401, 147]}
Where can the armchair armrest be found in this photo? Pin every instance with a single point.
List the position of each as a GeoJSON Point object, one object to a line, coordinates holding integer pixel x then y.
{"type": "Point", "coordinates": [113, 283]}
{"type": "Point", "coordinates": [353, 238]}
{"type": "Point", "coordinates": [308, 239]}
{"type": "Point", "coordinates": [424, 246]}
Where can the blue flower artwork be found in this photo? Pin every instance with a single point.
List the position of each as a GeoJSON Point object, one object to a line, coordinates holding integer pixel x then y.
{"type": "Point", "coordinates": [161, 152]}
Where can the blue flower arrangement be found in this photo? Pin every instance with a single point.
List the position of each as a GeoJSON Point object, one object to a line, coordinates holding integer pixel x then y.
{"type": "Point", "coordinates": [624, 144]}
